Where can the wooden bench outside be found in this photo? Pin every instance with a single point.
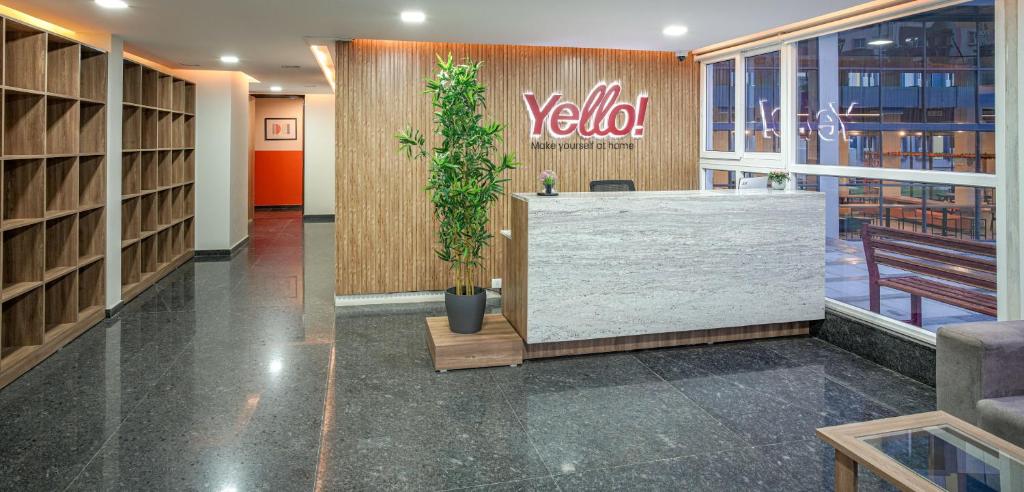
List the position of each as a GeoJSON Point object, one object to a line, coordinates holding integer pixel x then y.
{"type": "Point", "coordinates": [947, 270]}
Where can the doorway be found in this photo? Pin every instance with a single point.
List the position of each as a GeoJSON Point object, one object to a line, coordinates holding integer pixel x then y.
{"type": "Point", "coordinates": [279, 146]}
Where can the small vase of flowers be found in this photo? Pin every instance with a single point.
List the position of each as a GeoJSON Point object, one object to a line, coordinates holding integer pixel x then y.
{"type": "Point", "coordinates": [778, 179]}
{"type": "Point", "coordinates": [548, 179]}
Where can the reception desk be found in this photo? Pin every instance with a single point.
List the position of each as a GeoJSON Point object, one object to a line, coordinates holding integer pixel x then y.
{"type": "Point", "coordinates": [596, 272]}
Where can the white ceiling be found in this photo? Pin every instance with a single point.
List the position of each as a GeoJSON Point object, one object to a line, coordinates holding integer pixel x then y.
{"type": "Point", "coordinates": [267, 34]}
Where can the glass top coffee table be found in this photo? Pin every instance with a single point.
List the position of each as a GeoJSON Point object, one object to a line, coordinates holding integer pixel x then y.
{"type": "Point", "coordinates": [931, 451]}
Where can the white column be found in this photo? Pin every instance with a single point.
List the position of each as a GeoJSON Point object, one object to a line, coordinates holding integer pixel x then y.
{"type": "Point", "coordinates": [222, 158]}
{"type": "Point", "coordinates": [828, 93]}
{"type": "Point", "coordinates": [319, 155]}
{"type": "Point", "coordinates": [115, 73]}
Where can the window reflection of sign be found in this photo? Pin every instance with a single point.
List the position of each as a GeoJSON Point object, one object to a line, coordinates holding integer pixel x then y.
{"type": "Point", "coordinates": [829, 123]}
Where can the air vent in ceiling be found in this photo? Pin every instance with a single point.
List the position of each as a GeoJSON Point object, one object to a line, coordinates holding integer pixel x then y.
{"type": "Point", "coordinates": [291, 67]}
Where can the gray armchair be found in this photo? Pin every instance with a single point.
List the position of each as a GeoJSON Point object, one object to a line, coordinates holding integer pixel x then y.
{"type": "Point", "coordinates": [979, 376]}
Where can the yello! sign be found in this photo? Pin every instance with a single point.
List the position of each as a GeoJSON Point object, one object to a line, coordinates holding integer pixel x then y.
{"type": "Point", "coordinates": [601, 116]}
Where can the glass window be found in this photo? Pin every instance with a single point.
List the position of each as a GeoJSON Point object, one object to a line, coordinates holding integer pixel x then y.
{"type": "Point", "coordinates": [912, 93]}
{"type": "Point", "coordinates": [721, 125]}
{"type": "Point", "coordinates": [809, 101]}
{"type": "Point", "coordinates": [959, 212]}
{"type": "Point", "coordinates": [717, 179]}
{"type": "Point", "coordinates": [763, 103]}
{"type": "Point", "coordinates": [901, 44]}
{"type": "Point", "coordinates": [901, 97]}
{"type": "Point", "coordinates": [951, 97]}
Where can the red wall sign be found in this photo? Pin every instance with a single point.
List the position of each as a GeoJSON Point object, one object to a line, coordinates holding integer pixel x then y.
{"type": "Point", "coordinates": [602, 115]}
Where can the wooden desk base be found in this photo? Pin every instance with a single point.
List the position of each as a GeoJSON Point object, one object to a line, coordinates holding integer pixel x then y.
{"type": "Point", "coordinates": [497, 344]}
{"type": "Point", "coordinates": [659, 340]}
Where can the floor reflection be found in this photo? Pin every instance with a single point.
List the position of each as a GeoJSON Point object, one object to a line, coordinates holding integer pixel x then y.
{"type": "Point", "coordinates": [240, 375]}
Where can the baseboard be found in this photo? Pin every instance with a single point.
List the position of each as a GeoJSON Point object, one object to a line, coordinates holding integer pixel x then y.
{"type": "Point", "coordinates": [278, 208]}
{"type": "Point", "coordinates": [202, 255]}
{"type": "Point", "coordinates": [661, 340]}
{"type": "Point", "coordinates": [111, 312]}
{"type": "Point", "coordinates": [907, 357]}
{"type": "Point", "coordinates": [327, 218]}
{"type": "Point", "coordinates": [212, 255]}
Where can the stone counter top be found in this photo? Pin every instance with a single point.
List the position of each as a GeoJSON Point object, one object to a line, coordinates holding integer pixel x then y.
{"type": "Point", "coordinates": [661, 195]}
{"type": "Point", "coordinates": [603, 265]}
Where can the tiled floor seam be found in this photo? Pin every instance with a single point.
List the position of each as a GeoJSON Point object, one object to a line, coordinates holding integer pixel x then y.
{"type": "Point", "coordinates": [522, 425]}
{"type": "Point", "coordinates": [491, 484]}
{"type": "Point", "coordinates": [691, 400]}
{"type": "Point", "coordinates": [665, 460]}
{"type": "Point", "coordinates": [128, 414]}
{"type": "Point", "coordinates": [848, 387]}
{"type": "Point", "coordinates": [328, 394]}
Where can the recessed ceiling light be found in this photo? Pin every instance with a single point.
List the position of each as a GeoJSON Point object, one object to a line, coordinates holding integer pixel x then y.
{"type": "Point", "coordinates": [413, 17]}
{"type": "Point", "coordinates": [276, 88]}
{"type": "Point", "coordinates": [112, 4]}
{"type": "Point", "coordinates": [323, 58]}
{"type": "Point", "coordinates": [674, 30]}
{"type": "Point", "coordinates": [880, 42]}
{"type": "Point", "coordinates": [229, 59]}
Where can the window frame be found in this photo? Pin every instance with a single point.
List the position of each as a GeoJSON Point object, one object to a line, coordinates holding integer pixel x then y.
{"type": "Point", "coordinates": [754, 160]}
{"type": "Point", "coordinates": [741, 161]}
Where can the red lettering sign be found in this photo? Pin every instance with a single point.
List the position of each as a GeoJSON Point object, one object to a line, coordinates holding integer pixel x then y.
{"type": "Point", "coordinates": [602, 115]}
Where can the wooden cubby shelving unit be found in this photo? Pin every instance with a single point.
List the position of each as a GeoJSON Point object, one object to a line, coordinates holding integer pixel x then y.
{"type": "Point", "coordinates": [158, 171]}
{"type": "Point", "coordinates": [52, 193]}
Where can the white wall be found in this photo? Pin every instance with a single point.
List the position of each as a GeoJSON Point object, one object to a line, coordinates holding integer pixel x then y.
{"type": "Point", "coordinates": [115, 73]}
{"type": "Point", "coordinates": [239, 159]}
{"type": "Point", "coordinates": [222, 168]}
{"type": "Point", "coordinates": [319, 155]}
{"type": "Point", "coordinates": [278, 107]}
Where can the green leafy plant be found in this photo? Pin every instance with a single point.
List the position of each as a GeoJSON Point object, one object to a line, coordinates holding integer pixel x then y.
{"type": "Point", "coordinates": [464, 179]}
{"type": "Point", "coordinates": [548, 178]}
{"type": "Point", "coordinates": [779, 177]}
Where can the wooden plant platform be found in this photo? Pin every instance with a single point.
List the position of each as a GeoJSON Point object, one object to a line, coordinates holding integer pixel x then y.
{"type": "Point", "coordinates": [497, 344]}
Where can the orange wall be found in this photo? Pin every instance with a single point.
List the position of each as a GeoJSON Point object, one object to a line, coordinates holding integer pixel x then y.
{"type": "Point", "coordinates": [278, 177]}
{"type": "Point", "coordinates": [277, 173]}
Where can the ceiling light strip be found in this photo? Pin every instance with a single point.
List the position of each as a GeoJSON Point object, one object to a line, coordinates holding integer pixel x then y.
{"type": "Point", "coordinates": [37, 22]}
{"type": "Point", "coordinates": [323, 57]}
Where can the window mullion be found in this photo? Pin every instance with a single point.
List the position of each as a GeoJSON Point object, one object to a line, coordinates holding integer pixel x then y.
{"type": "Point", "coordinates": [740, 105]}
{"type": "Point", "coordinates": [787, 101]}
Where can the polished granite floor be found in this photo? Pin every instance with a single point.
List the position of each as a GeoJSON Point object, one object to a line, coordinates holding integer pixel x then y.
{"type": "Point", "coordinates": [240, 375]}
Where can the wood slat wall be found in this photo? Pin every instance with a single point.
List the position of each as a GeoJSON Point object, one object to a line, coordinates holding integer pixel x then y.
{"type": "Point", "coordinates": [385, 230]}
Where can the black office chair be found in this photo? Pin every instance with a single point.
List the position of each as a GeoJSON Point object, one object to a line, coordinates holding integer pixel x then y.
{"type": "Point", "coordinates": [613, 185]}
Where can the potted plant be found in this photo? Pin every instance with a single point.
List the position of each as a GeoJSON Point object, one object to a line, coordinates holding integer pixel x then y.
{"type": "Point", "coordinates": [778, 179]}
{"type": "Point", "coordinates": [548, 179]}
{"type": "Point", "coordinates": [464, 181]}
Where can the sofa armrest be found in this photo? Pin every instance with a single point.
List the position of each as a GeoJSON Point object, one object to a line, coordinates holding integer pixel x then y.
{"type": "Point", "coordinates": [975, 361]}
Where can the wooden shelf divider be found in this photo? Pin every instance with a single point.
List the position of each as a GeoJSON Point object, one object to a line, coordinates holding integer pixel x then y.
{"type": "Point", "coordinates": [24, 56]}
{"type": "Point", "coordinates": [93, 78]}
{"type": "Point", "coordinates": [63, 57]}
{"type": "Point", "coordinates": [61, 185]}
{"type": "Point", "coordinates": [92, 131]}
{"type": "Point", "coordinates": [24, 123]}
{"type": "Point", "coordinates": [158, 233]}
{"type": "Point", "coordinates": [53, 192]}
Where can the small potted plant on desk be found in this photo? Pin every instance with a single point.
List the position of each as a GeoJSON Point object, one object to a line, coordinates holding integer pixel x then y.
{"type": "Point", "coordinates": [548, 179]}
{"type": "Point", "coordinates": [464, 181]}
{"type": "Point", "coordinates": [778, 179]}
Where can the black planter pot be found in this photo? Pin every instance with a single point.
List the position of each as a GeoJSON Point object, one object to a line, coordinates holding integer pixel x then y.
{"type": "Point", "coordinates": [465, 313]}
